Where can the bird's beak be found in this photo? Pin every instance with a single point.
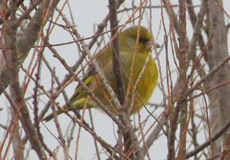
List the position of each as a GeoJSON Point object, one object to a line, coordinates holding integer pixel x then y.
{"type": "Point", "coordinates": [151, 44]}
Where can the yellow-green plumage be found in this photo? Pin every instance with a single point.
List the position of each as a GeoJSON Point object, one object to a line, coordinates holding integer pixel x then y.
{"type": "Point", "coordinates": [129, 51]}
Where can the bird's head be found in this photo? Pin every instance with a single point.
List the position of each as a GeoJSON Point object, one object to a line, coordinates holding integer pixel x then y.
{"type": "Point", "coordinates": [128, 38]}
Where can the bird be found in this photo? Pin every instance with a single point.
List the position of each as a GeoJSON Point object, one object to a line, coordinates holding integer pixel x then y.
{"type": "Point", "coordinates": [135, 44]}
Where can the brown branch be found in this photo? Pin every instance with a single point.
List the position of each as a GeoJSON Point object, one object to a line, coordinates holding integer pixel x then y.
{"type": "Point", "coordinates": [220, 51]}
{"type": "Point", "coordinates": [155, 133]}
{"type": "Point", "coordinates": [120, 88]}
{"type": "Point", "coordinates": [196, 34]}
{"type": "Point", "coordinates": [203, 79]}
{"type": "Point", "coordinates": [207, 143]}
{"type": "Point", "coordinates": [7, 13]}
{"type": "Point", "coordinates": [11, 60]}
{"type": "Point", "coordinates": [182, 107]}
{"type": "Point", "coordinates": [18, 95]}
{"type": "Point", "coordinates": [26, 41]}
{"type": "Point", "coordinates": [194, 21]}
{"type": "Point", "coordinates": [103, 143]}
{"type": "Point", "coordinates": [26, 13]}
{"type": "Point", "coordinates": [35, 97]}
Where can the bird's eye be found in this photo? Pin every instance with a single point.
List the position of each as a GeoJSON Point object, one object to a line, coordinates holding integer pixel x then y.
{"type": "Point", "coordinates": [143, 40]}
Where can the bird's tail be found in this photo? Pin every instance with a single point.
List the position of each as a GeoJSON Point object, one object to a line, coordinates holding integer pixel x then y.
{"type": "Point", "coordinates": [51, 116]}
{"type": "Point", "coordinates": [78, 104]}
